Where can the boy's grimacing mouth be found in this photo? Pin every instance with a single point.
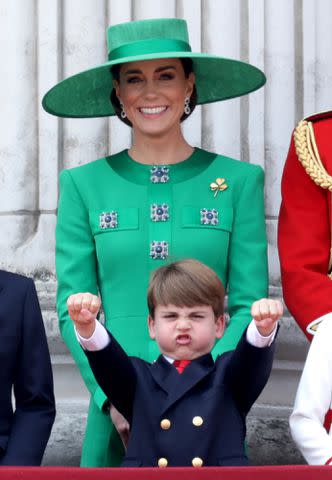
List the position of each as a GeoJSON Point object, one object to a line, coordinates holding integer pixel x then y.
{"type": "Point", "coordinates": [183, 339]}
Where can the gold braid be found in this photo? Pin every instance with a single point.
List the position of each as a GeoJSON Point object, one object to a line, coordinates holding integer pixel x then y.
{"type": "Point", "coordinates": [307, 152]}
{"type": "Point", "coordinates": [308, 155]}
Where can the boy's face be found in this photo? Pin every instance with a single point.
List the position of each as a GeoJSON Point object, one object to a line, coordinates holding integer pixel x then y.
{"type": "Point", "coordinates": [185, 332]}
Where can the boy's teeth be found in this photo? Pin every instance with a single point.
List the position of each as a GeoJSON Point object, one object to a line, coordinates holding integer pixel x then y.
{"type": "Point", "coordinates": [152, 110]}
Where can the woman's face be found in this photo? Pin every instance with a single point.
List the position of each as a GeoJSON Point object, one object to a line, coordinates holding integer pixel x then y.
{"type": "Point", "coordinates": [153, 94]}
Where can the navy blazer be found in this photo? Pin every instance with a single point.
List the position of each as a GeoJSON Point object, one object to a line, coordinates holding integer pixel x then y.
{"type": "Point", "coordinates": [25, 367]}
{"type": "Point", "coordinates": [197, 417]}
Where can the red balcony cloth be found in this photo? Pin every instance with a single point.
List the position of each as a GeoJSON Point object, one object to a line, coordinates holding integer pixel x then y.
{"type": "Point", "coordinates": [282, 472]}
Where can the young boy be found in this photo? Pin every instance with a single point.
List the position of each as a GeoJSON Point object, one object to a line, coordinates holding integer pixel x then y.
{"type": "Point", "coordinates": [184, 409]}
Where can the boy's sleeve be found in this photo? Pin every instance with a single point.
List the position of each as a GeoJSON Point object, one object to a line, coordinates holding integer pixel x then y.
{"type": "Point", "coordinates": [248, 271]}
{"type": "Point", "coordinates": [98, 340]}
{"type": "Point", "coordinates": [256, 339]}
{"type": "Point", "coordinates": [76, 268]}
{"type": "Point", "coordinates": [248, 371]}
{"type": "Point", "coordinates": [116, 376]}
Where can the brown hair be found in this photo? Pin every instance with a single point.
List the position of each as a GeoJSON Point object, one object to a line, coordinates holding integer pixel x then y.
{"type": "Point", "coordinates": [187, 65]}
{"type": "Point", "coordinates": [187, 283]}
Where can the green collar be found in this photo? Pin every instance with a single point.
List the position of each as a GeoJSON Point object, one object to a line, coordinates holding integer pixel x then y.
{"type": "Point", "coordinates": [140, 173]}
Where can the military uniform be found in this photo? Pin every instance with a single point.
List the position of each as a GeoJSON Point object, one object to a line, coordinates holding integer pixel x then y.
{"type": "Point", "coordinates": [305, 223]}
{"type": "Point", "coordinates": [193, 419]}
{"type": "Point", "coordinates": [118, 220]}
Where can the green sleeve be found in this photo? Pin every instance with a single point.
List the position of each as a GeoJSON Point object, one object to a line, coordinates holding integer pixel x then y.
{"type": "Point", "coordinates": [76, 268]}
{"type": "Point", "coordinates": [247, 265]}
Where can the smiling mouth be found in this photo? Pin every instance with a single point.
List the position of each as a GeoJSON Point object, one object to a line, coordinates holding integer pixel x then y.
{"type": "Point", "coordinates": [183, 339]}
{"type": "Point", "coordinates": [152, 110]}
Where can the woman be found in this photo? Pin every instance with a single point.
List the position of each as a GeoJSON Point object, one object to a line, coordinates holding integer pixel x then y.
{"type": "Point", "coordinates": [125, 215]}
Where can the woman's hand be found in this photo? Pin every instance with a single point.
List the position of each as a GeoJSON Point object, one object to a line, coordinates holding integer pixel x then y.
{"type": "Point", "coordinates": [120, 424]}
{"type": "Point", "coordinates": [266, 313]}
{"type": "Point", "coordinates": [83, 309]}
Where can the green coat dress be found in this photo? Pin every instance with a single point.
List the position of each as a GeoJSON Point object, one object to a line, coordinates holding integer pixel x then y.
{"type": "Point", "coordinates": [118, 220]}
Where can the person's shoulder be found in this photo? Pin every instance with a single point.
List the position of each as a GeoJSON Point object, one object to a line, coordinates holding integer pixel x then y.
{"type": "Point", "coordinates": [325, 116]}
{"type": "Point", "coordinates": [320, 122]}
{"type": "Point", "coordinates": [14, 280]}
{"type": "Point", "coordinates": [222, 359]}
{"type": "Point", "coordinates": [95, 167]}
{"type": "Point", "coordinates": [238, 166]}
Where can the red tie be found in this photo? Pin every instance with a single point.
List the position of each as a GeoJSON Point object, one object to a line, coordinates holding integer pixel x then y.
{"type": "Point", "coordinates": [180, 365]}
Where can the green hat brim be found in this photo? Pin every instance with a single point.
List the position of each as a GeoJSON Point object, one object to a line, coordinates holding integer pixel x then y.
{"type": "Point", "coordinates": [87, 94]}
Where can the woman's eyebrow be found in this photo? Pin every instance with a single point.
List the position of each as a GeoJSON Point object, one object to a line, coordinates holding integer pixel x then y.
{"type": "Point", "coordinates": [159, 69]}
{"type": "Point", "coordinates": [128, 72]}
{"type": "Point", "coordinates": [166, 67]}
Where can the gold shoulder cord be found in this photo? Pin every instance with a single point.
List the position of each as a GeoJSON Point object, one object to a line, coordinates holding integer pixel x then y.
{"type": "Point", "coordinates": [308, 155]}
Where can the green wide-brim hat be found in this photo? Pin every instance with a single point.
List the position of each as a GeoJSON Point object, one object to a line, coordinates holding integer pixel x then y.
{"type": "Point", "coordinates": [87, 94]}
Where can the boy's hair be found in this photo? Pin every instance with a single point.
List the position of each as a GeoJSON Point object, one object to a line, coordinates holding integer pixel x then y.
{"type": "Point", "coordinates": [187, 283]}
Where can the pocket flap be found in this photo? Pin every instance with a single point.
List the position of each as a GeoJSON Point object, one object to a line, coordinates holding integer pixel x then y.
{"type": "Point", "coordinates": [194, 217]}
{"type": "Point", "coordinates": [113, 219]}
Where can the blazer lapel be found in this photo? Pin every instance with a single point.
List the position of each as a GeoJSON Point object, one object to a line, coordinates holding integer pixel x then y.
{"type": "Point", "coordinates": [164, 374]}
{"type": "Point", "coordinates": [177, 385]}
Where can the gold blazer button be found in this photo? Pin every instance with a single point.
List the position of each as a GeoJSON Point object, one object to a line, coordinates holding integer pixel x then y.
{"type": "Point", "coordinates": [162, 462]}
{"type": "Point", "coordinates": [165, 424]}
{"type": "Point", "coordinates": [198, 421]}
{"type": "Point", "coordinates": [197, 462]}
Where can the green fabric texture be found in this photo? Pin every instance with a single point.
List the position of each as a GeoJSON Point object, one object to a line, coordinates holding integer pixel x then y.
{"type": "Point", "coordinates": [87, 94]}
{"type": "Point", "coordinates": [116, 261]}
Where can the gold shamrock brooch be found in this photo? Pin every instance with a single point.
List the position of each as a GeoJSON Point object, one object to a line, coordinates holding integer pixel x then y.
{"type": "Point", "coordinates": [218, 186]}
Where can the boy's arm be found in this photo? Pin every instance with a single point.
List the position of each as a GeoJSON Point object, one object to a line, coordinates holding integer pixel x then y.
{"type": "Point", "coordinates": [111, 366]}
{"type": "Point", "coordinates": [248, 371]}
{"type": "Point", "coordinates": [115, 375]}
{"type": "Point", "coordinates": [250, 365]}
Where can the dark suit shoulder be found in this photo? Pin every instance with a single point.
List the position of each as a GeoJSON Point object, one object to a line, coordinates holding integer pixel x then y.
{"type": "Point", "coordinates": [139, 363]}
{"type": "Point", "coordinates": [223, 357]}
{"type": "Point", "coordinates": [10, 280]}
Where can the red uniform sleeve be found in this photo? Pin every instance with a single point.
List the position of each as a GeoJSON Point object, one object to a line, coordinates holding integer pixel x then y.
{"type": "Point", "coordinates": [304, 243]}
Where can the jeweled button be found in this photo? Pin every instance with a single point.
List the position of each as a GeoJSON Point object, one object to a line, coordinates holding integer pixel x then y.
{"type": "Point", "coordinates": [159, 212]}
{"type": "Point", "coordinates": [159, 174]}
{"type": "Point", "coordinates": [209, 217]}
{"type": "Point", "coordinates": [159, 250]}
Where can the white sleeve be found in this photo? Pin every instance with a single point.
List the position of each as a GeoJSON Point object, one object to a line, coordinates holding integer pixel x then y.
{"type": "Point", "coordinates": [311, 328]}
{"type": "Point", "coordinates": [98, 340]}
{"type": "Point", "coordinates": [256, 339]}
{"type": "Point", "coordinates": [313, 399]}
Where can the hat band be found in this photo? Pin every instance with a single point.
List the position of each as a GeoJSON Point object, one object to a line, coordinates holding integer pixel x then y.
{"type": "Point", "coordinates": [145, 47]}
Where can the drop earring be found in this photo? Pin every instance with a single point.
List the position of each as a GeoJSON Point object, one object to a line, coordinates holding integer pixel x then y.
{"type": "Point", "coordinates": [187, 109]}
{"type": "Point", "coordinates": [123, 113]}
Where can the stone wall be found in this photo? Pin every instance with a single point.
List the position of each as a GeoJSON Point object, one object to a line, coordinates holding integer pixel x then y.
{"type": "Point", "coordinates": [44, 41]}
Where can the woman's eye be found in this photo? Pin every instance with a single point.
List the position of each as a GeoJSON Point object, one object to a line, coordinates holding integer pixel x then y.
{"type": "Point", "coordinates": [166, 76]}
{"type": "Point", "coordinates": [133, 80]}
